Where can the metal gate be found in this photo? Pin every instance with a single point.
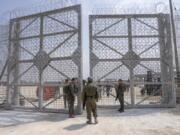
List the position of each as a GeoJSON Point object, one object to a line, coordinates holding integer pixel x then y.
{"type": "Point", "coordinates": [44, 50]}
{"type": "Point", "coordinates": [4, 32]}
{"type": "Point", "coordinates": [137, 49]}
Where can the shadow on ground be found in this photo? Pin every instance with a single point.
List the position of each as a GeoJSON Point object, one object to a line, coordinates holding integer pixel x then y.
{"type": "Point", "coordinates": [75, 127]}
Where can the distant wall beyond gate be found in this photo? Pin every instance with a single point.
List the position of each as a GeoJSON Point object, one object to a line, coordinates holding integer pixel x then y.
{"type": "Point", "coordinates": [137, 49]}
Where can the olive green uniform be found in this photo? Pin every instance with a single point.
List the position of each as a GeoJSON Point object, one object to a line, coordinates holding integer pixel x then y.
{"type": "Point", "coordinates": [91, 95]}
{"type": "Point", "coordinates": [71, 98]}
{"type": "Point", "coordinates": [120, 89]}
{"type": "Point", "coordinates": [65, 92]}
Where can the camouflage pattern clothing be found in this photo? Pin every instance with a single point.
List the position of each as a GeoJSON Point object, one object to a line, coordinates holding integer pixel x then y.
{"type": "Point", "coordinates": [91, 95]}
{"type": "Point", "coordinates": [120, 89]}
{"type": "Point", "coordinates": [71, 98]}
{"type": "Point", "coordinates": [65, 92]}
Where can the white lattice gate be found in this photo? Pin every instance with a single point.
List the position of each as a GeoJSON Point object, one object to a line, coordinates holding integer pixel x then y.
{"type": "Point", "coordinates": [44, 50]}
{"type": "Point", "coordinates": [137, 49]}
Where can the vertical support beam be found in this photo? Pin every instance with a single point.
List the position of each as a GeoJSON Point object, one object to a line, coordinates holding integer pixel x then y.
{"type": "Point", "coordinates": [171, 75]}
{"type": "Point", "coordinates": [174, 38]}
{"type": "Point", "coordinates": [161, 46]}
{"type": "Point", "coordinates": [167, 76]}
{"type": "Point", "coordinates": [41, 31]}
{"type": "Point", "coordinates": [79, 103]}
{"type": "Point", "coordinates": [16, 44]}
{"type": "Point", "coordinates": [175, 51]}
{"type": "Point", "coordinates": [8, 91]}
{"type": "Point", "coordinates": [91, 45]}
{"type": "Point", "coordinates": [131, 69]}
{"type": "Point", "coordinates": [40, 94]}
{"type": "Point", "coordinates": [130, 33]}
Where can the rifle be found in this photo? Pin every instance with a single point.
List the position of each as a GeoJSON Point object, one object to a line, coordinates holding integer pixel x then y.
{"type": "Point", "coordinates": [84, 101]}
{"type": "Point", "coordinates": [117, 97]}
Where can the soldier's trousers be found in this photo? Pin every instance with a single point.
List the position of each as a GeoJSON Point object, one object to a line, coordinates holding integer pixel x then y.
{"type": "Point", "coordinates": [121, 101]}
{"type": "Point", "coordinates": [65, 101]}
{"type": "Point", "coordinates": [91, 107]}
{"type": "Point", "coordinates": [71, 106]}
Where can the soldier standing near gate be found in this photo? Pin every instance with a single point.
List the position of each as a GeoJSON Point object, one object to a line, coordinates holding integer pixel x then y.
{"type": "Point", "coordinates": [65, 92]}
{"type": "Point", "coordinates": [72, 88]}
{"type": "Point", "coordinates": [120, 89]}
{"type": "Point", "coordinates": [90, 97]}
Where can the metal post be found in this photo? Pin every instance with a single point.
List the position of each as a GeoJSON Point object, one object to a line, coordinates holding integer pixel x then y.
{"type": "Point", "coordinates": [40, 94]}
{"type": "Point", "coordinates": [16, 69]}
{"type": "Point", "coordinates": [79, 104]}
{"type": "Point", "coordinates": [162, 43]}
{"type": "Point", "coordinates": [175, 49]}
{"type": "Point", "coordinates": [174, 37]}
{"type": "Point", "coordinates": [8, 91]}
{"type": "Point", "coordinates": [91, 45]}
{"type": "Point", "coordinates": [131, 69]}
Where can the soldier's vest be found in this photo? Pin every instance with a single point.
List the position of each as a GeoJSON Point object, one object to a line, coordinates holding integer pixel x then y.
{"type": "Point", "coordinates": [70, 92]}
{"type": "Point", "coordinates": [121, 89]}
{"type": "Point", "coordinates": [65, 89]}
{"type": "Point", "coordinates": [90, 91]}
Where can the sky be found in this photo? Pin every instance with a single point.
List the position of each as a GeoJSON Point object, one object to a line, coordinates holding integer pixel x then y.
{"type": "Point", "coordinates": [9, 5]}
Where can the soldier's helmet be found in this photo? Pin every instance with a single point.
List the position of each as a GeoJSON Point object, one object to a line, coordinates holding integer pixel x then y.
{"type": "Point", "coordinates": [90, 80]}
{"type": "Point", "coordinates": [120, 80]}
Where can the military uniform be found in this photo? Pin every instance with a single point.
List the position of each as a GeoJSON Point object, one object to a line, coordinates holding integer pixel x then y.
{"type": "Point", "coordinates": [71, 99]}
{"type": "Point", "coordinates": [91, 95]}
{"type": "Point", "coordinates": [120, 89]}
{"type": "Point", "coordinates": [65, 92]}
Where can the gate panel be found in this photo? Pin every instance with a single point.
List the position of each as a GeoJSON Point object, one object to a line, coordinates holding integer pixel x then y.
{"type": "Point", "coordinates": [45, 50]}
{"type": "Point", "coordinates": [137, 49]}
{"type": "Point", "coordinates": [4, 30]}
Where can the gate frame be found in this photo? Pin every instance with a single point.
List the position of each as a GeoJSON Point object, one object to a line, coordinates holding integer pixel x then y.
{"type": "Point", "coordinates": [130, 37]}
{"type": "Point", "coordinates": [78, 31]}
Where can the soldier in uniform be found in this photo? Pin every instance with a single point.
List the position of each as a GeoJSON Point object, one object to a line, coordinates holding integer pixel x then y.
{"type": "Point", "coordinates": [90, 97]}
{"type": "Point", "coordinates": [120, 89]}
{"type": "Point", "coordinates": [71, 97]}
{"type": "Point", "coordinates": [65, 91]}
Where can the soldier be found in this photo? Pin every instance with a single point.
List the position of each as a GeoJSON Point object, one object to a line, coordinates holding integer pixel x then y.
{"type": "Point", "coordinates": [120, 89]}
{"type": "Point", "coordinates": [65, 92]}
{"type": "Point", "coordinates": [90, 97]}
{"type": "Point", "coordinates": [108, 89]}
{"type": "Point", "coordinates": [71, 97]}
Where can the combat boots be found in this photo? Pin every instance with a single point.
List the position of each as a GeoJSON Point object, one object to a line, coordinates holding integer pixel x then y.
{"type": "Point", "coordinates": [95, 120]}
{"type": "Point", "coordinates": [89, 121]}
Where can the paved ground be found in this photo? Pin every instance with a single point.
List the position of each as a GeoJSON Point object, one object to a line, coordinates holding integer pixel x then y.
{"type": "Point", "coordinates": [132, 122]}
